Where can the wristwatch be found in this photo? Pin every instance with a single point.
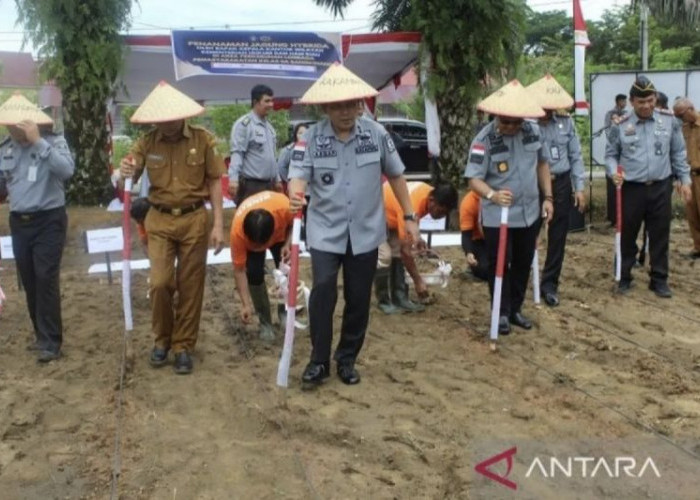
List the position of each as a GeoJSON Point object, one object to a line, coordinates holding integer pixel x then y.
{"type": "Point", "coordinates": [490, 194]}
{"type": "Point", "coordinates": [412, 217]}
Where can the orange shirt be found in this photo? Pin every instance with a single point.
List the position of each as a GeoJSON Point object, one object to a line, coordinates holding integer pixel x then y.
{"type": "Point", "coordinates": [143, 236]}
{"type": "Point", "coordinates": [275, 203]}
{"type": "Point", "coordinates": [469, 215]}
{"type": "Point", "coordinates": [419, 192]}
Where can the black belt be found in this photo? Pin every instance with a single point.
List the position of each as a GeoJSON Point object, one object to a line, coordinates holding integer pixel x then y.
{"type": "Point", "coordinates": [648, 183]}
{"type": "Point", "coordinates": [178, 210]}
{"type": "Point", "coordinates": [695, 171]}
{"type": "Point", "coordinates": [29, 216]}
{"type": "Point", "coordinates": [560, 175]}
{"type": "Point", "coordinates": [262, 181]}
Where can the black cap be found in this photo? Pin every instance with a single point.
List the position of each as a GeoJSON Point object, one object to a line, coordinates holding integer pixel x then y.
{"type": "Point", "coordinates": [642, 87]}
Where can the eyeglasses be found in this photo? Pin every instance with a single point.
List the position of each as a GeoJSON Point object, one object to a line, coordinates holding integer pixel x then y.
{"type": "Point", "coordinates": [343, 106]}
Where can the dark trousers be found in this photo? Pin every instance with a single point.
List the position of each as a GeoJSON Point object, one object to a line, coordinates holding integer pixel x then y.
{"type": "Point", "coordinates": [650, 204]}
{"type": "Point", "coordinates": [37, 241]}
{"type": "Point", "coordinates": [358, 276]}
{"type": "Point", "coordinates": [556, 234]}
{"type": "Point", "coordinates": [520, 250]}
{"type": "Point", "coordinates": [478, 248]}
{"type": "Point", "coordinates": [248, 187]}
{"type": "Point", "coordinates": [611, 213]}
{"type": "Point", "coordinates": [255, 263]}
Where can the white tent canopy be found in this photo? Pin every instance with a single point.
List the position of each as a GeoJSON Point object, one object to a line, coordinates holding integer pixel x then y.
{"type": "Point", "coordinates": [378, 58]}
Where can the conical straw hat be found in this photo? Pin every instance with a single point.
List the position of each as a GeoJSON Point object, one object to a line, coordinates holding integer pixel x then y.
{"type": "Point", "coordinates": [337, 84]}
{"type": "Point", "coordinates": [166, 104]}
{"type": "Point", "coordinates": [549, 94]}
{"type": "Point", "coordinates": [511, 100]}
{"type": "Point", "coordinates": [18, 108]}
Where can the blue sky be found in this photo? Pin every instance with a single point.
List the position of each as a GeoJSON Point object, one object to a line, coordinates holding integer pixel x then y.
{"type": "Point", "coordinates": [159, 16]}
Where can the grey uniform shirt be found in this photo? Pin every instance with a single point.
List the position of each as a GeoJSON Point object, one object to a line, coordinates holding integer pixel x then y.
{"type": "Point", "coordinates": [253, 148]}
{"type": "Point", "coordinates": [508, 162]}
{"type": "Point", "coordinates": [564, 149]}
{"type": "Point", "coordinates": [648, 149]}
{"type": "Point", "coordinates": [34, 176]}
{"type": "Point", "coordinates": [345, 184]}
{"type": "Point", "coordinates": [283, 162]}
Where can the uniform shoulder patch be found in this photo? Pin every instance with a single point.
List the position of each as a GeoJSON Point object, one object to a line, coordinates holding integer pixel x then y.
{"type": "Point", "coordinates": [245, 121]}
{"type": "Point", "coordinates": [665, 112]}
{"type": "Point", "coordinates": [476, 153]}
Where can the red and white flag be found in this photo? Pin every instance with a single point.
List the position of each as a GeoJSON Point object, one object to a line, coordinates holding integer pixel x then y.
{"type": "Point", "coordinates": [581, 41]}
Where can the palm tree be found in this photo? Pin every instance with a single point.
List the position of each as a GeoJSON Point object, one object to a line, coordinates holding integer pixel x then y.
{"type": "Point", "coordinates": [686, 12]}
{"type": "Point", "coordinates": [469, 42]}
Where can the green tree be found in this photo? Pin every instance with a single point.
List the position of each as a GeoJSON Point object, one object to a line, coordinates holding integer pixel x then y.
{"type": "Point", "coordinates": [82, 51]}
{"type": "Point", "coordinates": [471, 42]}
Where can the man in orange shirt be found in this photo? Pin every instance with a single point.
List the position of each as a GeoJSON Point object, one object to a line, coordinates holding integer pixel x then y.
{"type": "Point", "coordinates": [262, 221]}
{"type": "Point", "coordinates": [473, 242]}
{"type": "Point", "coordinates": [390, 281]}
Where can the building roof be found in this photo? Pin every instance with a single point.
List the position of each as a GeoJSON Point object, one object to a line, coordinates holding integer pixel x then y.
{"type": "Point", "coordinates": [18, 70]}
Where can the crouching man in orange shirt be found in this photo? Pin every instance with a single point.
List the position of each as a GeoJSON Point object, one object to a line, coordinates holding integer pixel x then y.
{"type": "Point", "coordinates": [263, 221]}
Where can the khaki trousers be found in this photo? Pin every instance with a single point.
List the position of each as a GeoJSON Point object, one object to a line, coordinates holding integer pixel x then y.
{"type": "Point", "coordinates": [391, 248]}
{"type": "Point", "coordinates": [184, 238]}
{"type": "Point", "coordinates": [692, 211]}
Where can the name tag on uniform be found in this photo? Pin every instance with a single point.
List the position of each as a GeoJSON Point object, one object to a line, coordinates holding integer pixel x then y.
{"type": "Point", "coordinates": [554, 152]}
{"type": "Point", "coordinates": [31, 173]}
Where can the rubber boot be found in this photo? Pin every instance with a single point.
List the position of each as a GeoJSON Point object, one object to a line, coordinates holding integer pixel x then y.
{"type": "Point", "coordinates": [381, 290]}
{"type": "Point", "coordinates": [282, 316]}
{"type": "Point", "coordinates": [399, 292]}
{"type": "Point", "coordinates": [261, 302]}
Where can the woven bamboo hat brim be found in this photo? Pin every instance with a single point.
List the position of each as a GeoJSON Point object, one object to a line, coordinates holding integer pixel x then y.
{"type": "Point", "coordinates": [18, 108]}
{"type": "Point", "coordinates": [166, 104]}
{"type": "Point", "coordinates": [337, 84]}
{"type": "Point", "coordinates": [511, 100]}
{"type": "Point", "coordinates": [549, 94]}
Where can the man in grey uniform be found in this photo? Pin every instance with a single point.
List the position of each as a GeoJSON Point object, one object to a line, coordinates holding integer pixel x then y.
{"type": "Point", "coordinates": [508, 167]}
{"type": "Point", "coordinates": [342, 159]}
{"type": "Point", "coordinates": [649, 145]}
{"type": "Point", "coordinates": [253, 166]}
{"type": "Point", "coordinates": [34, 167]}
{"type": "Point", "coordinates": [566, 167]}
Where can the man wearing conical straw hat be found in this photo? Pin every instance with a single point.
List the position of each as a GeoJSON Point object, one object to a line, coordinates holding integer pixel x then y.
{"type": "Point", "coordinates": [566, 167]}
{"type": "Point", "coordinates": [34, 166]}
{"type": "Point", "coordinates": [342, 159]}
{"type": "Point", "coordinates": [508, 167]}
{"type": "Point", "coordinates": [184, 169]}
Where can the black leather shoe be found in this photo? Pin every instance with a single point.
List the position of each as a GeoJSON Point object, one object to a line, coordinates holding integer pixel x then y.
{"type": "Point", "coordinates": [348, 375]}
{"type": "Point", "coordinates": [661, 290]}
{"type": "Point", "coordinates": [314, 375]}
{"type": "Point", "coordinates": [551, 299]}
{"type": "Point", "coordinates": [623, 287]}
{"type": "Point", "coordinates": [183, 363]}
{"type": "Point", "coordinates": [518, 319]}
{"type": "Point", "coordinates": [159, 357]}
{"type": "Point", "coordinates": [503, 326]}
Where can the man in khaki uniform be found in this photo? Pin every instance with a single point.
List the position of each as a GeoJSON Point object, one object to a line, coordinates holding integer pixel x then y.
{"type": "Point", "coordinates": [184, 170]}
{"type": "Point", "coordinates": [685, 111]}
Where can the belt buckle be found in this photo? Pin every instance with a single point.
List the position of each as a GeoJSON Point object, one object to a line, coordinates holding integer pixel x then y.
{"type": "Point", "coordinates": [25, 217]}
{"type": "Point", "coordinates": [176, 212]}
{"type": "Point", "coordinates": [649, 183]}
